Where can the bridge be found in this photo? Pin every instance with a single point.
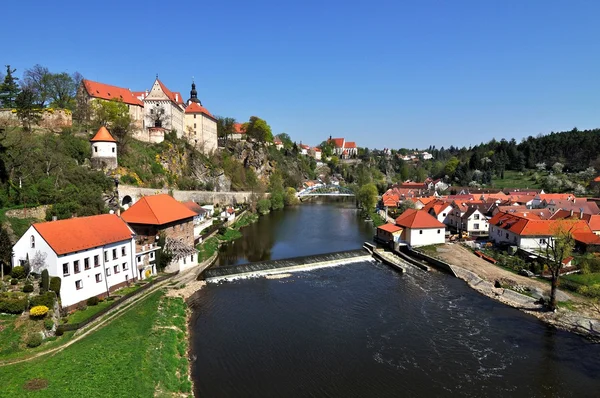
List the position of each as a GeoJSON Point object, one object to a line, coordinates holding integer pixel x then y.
{"type": "Point", "coordinates": [326, 190]}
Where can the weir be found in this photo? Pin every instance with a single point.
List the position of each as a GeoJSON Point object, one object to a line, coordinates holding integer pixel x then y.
{"type": "Point", "coordinates": [270, 267]}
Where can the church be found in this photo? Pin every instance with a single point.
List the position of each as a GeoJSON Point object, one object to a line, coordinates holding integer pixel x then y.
{"type": "Point", "coordinates": [158, 111]}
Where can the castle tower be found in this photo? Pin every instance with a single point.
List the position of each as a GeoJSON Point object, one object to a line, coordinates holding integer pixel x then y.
{"type": "Point", "coordinates": [104, 150]}
{"type": "Point", "coordinates": [193, 95]}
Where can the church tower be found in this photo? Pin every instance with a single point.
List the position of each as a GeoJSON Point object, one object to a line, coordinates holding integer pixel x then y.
{"type": "Point", "coordinates": [193, 95]}
{"type": "Point", "coordinates": [104, 150]}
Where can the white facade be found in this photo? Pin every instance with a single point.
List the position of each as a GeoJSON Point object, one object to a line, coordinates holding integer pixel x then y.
{"type": "Point", "coordinates": [171, 109]}
{"type": "Point", "coordinates": [424, 236]}
{"type": "Point", "coordinates": [503, 236]}
{"type": "Point", "coordinates": [83, 274]}
{"type": "Point", "coordinates": [201, 131]}
{"type": "Point", "coordinates": [104, 150]}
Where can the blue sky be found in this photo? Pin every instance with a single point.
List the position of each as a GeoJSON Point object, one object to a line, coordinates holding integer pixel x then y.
{"type": "Point", "coordinates": [381, 73]}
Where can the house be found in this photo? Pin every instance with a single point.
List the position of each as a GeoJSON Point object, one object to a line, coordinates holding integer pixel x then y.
{"type": "Point", "coordinates": [200, 219]}
{"type": "Point", "coordinates": [239, 132]}
{"type": "Point", "coordinates": [315, 152]}
{"type": "Point", "coordinates": [156, 215]}
{"type": "Point", "coordinates": [304, 149]}
{"type": "Point", "coordinates": [342, 148]}
{"type": "Point", "coordinates": [542, 200]}
{"type": "Point", "coordinates": [104, 150]}
{"type": "Point", "coordinates": [439, 209]}
{"type": "Point", "coordinates": [388, 234]}
{"type": "Point", "coordinates": [420, 228]}
{"type": "Point", "coordinates": [90, 91]}
{"type": "Point", "coordinates": [163, 112]}
{"type": "Point", "coordinates": [278, 143]}
{"type": "Point", "coordinates": [474, 221]}
{"type": "Point", "coordinates": [530, 234]}
{"type": "Point", "coordinates": [228, 214]}
{"type": "Point", "coordinates": [210, 209]}
{"type": "Point", "coordinates": [200, 125]}
{"type": "Point", "coordinates": [92, 256]}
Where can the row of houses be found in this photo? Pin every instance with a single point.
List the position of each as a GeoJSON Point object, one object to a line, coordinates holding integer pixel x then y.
{"type": "Point", "coordinates": [96, 255]}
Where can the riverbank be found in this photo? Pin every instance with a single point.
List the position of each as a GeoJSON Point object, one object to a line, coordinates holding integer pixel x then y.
{"type": "Point", "coordinates": [578, 316]}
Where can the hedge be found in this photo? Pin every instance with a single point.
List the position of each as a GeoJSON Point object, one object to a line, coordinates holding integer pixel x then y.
{"type": "Point", "coordinates": [33, 340]}
{"type": "Point", "coordinates": [46, 299]}
{"type": "Point", "coordinates": [13, 303]}
{"type": "Point", "coordinates": [18, 272]}
{"type": "Point", "coordinates": [45, 284]}
{"type": "Point", "coordinates": [55, 285]}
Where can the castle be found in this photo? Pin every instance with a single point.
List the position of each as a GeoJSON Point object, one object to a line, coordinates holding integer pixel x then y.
{"type": "Point", "coordinates": [158, 111]}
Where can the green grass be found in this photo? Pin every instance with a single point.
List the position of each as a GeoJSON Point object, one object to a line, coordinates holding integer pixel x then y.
{"type": "Point", "coordinates": [20, 225]}
{"type": "Point", "coordinates": [585, 279]}
{"type": "Point", "coordinates": [377, 219]}
{"type": "Point", "coordinates": [516, 179]}
{"type": "Point", "coordinates": [207, 248]}
{"type": "Point", "coordinates": [126, 358]}
{"type": "Point", "coordinates": [247, 219]}
{"type": "Point", "coordinates": [82, 315]}
{"type": "Point", "coordinates": [126, 290]}
{"type": "Point", "coordinates": [566, 304]}
{"type": "Point", "coordinates": [230, 234]}
{"type": "Point", "coordinates": [9, 337]}
{"type": "Point", "coordinates": [430, 250]}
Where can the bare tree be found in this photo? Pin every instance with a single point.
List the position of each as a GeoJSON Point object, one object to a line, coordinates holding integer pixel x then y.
{"type": "Point", "coordinates": [557, 248]}
{"type": "Point", "coordinates": [38, 80]}
{"type": "Point", "coordinates": [38, 262]}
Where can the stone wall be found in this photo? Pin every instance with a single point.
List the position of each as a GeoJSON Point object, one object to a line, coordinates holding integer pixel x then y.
{"type": "Point", "coordinates": [203, 197]}
{"type": "Point", "coordinates": [54, 119]}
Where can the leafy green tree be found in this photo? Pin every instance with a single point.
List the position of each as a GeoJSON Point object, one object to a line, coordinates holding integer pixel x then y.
{"type": "Point", "coordinates": [225, 127]}
{"type": "Point", "coordinates": [62, 90]}
{"type": "Point", "coordinates": [9, 89]}
{"type": "Point", "coordinates": [557, 248]}
{"type": "Point", "coordinates": [277, 191]}
{"type": "Point", "coordinates": [286, 140]}
{"type": "Point", "coordinates": [263, 206]}
{"type": "Point", "coordinates": [27, 111]}
{"type": "Point", "coordinates": [290, 197]}
{"type": "Point", "coordinates": [114, 115]}
{"type": "Point", "coordinates": [367, 196]}
{"type": "Point", "coordinates": [258, 129]}
{"type": "Point", "coordinates": [5, 252]}
{"type": "Point", "coordinates": [405, 205]}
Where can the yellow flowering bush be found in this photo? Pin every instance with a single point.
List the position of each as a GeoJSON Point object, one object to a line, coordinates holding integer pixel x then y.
{"type": "Point", "coordinates": [39, 311]}
{"type": "Point", "coordinates": [13, 110]}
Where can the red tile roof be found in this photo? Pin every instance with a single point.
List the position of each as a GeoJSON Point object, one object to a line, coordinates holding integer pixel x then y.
{"type": "Point", "coordinates": [108, 92]}
{"type": "Point", "coordinates": [390, 228]}
{"type": "Point", "coordinates": [103, 136]}
{"type": "Point", "coordinates": [527, 227]}
{"type": "Point", "coordinates": [193, 206]}
{"type": "Point", "coordinates": [350, 144]}
{"type": "Point", "coordinates": [82, 233]}
{"type": "Point", "coordinates": [173, 96]}
{"type": "Point", "coordinates": [594, 222]}
{"type": "Point", "coordinates": [239, 128]}
{"type": "Point", "coordinates": [195, 107]}
{"type": "Point", "coordinates": [157, 210]}
{"type": "Point", "coordinates": [588, 238]}
{"type": "Point", "coordinates": [337, 142]}
{"type": "Point", "coordinates": [412, 218]}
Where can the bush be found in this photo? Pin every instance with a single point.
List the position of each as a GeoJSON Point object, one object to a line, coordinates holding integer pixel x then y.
{"type": "Point", "coordinates": [28, 288]}
{"type": "Point", "coordinates": [48, 324]}
{"type": "Point", "coordinates": [55, 285]}
{"type": "Point", "coordinates": [7, 278]}
{"type": "Point", "coordinates": [263, 206]}
{"type": "Point", "coordinates": [45, 284]}
{"type": "Point", "coordinates": [18, 272]}
{"type": "Point", "coordinates": [92, 301]}
{"type": "Point", "coordinates": [222, 230]}
{"type": "Point", "coordinates": [33, 340]}
{"type": "Point", "coordinates": [14, 281]}
{"type": "Point", "coordinates": [59, 330]}
{"type": "Point", "coordinates": [39, 311]}
{"type": "Point", "coordinates": [13, 302]}
{"type": "Point", "coordinates": [45, 299]}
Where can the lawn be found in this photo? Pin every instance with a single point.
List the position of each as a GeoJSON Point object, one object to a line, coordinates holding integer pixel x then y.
{"type": "Point", "coordinates": [585, 279]}
{"type": "Point", "coordinates": [126, 358]}
{"type": "Point", "coordinates": [82, 315]}
{"type": "Point", "coordinates": [207, 248]}
{"type": "Point", "coordinates": [516, 179]}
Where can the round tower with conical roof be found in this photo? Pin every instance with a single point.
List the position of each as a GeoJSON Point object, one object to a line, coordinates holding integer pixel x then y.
{"type": "Point", "coordinates": [104, 150]}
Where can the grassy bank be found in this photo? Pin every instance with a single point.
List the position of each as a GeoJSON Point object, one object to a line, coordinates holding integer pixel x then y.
{"type": "Point", "coordinates": [211, 245]}
{"type": "Point", "coordinates": [139, 354]}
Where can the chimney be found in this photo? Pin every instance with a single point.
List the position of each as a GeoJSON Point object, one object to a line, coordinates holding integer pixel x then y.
{"type": "Point", "coordinates": [176, 97]}
{"type": "Point", "coordinates": [581, 212]}
{"type": "Point", "coordinates": [571, 212]}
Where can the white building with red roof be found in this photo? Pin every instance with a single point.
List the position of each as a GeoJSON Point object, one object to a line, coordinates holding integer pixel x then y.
{"type": "Point", "coordinates": [343, 148]}
{"type": "Point", "coordinates": [92, 256]}
{"type": "Point", "coordinates": [104, 150]}
{"type": "Point", "coordinates": [420, 228]}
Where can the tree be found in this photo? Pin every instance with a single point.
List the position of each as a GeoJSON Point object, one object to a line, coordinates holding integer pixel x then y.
{"type": "Point", "coordinates": [558, 167]}
{"type": "Point", "coordinates": [5, 251]}
{"type": "Point", "coordinates": [290, 197]}
{"type": "Point", "coordinates": [367, 196]}
{"type": "Point", "coordinates": [557, 248]}
{"type": "Point", "coordinates": [405, 205]}
{"type": "Point", "coordinates": [258, 129]}
{"type": "Point", "coordinates": [38, 262]}
{"type": "Point", "coordinates": [114, 115]}
{"type": "Point", "coordinates": [277, 191]}
{"type": "Point", "coordinates": [286, 140]}
{"type": "Point", "coordinates": [9, 89]}
{"type": "Point", "coordinates": [225, 127]}
{"type": "Point", "coordinates": [62, 90]}
{"type": "Point", "coordinates": [38, 80]}
{"type": "Point", "coordinates": [27, 111]}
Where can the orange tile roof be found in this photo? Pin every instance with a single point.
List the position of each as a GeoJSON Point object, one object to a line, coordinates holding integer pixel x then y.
{"type": "Point", "coordinates": [239, 128]}
{"type": "Point", "coordinates": [195, 107]}
{"type": "Point", "coordinates": [350, 144]}
{"type": "Point", "coordinates": [157, 210]}
{"type": "Point", "coordinates": [82, 233]}
{"type": "Point", "coordinates": [193, 206]}
{"type": "Point", "coordinates": [108, 92]}
{"type": "Point", "coordinates": [337, 142]}
{"type": "Point", "coordinates": [412, 218]}
{"type": "Point", "coordinates": [594, 222]}
{"type": "Point", "coordinates": [103, 136]}
{"type": "Point", "coordinates": [588, 238]}
{"type": "Point", "coordinates": [535, 227]}
{"type": "Point", "coordinates": [390, 228]}
{"type": "Point", "coordinates": [390, 202]}
{"type": "Point", "coordinates": [597, 179]}
{"type": "Point", "coordinates": [173, 96]}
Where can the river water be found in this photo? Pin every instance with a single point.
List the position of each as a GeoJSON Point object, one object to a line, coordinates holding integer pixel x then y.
{"type": "Point", "coordinates": [363, 330]}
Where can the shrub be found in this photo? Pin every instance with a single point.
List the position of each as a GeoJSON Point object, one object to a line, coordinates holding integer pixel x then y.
{"type": "Point", "coordinates": [45, 284]}
{"type": "Point", "coordinates": [46, 299]}
{"type": "Point", "coordinates": [48, 324]}
{"type": "Point", "coordinates": [39, 311]}
{"type": "Point", "coordinates": [33, 340]}
{"type": "Point", "coordinates": [263, 206]}
{"type": "Point", "coordinates": [13, 303]}
{"type": "Point", "coordinates": [59, 330]}
{"type": "Point", "coordinates": [28, 288]}
{"type": "Point", "coordinates": [14, 281]}
{"type": "Point", "coordinates": [55, 285]}
{"type": "Point", "coordinates": [18, 272]}
{"type": "Point", "coordinates": [7, 278]}
{"type": "Point", "coordinates": [92, 301]}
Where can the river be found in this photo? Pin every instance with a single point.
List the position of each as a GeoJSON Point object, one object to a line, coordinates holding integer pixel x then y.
{"type": "Point", "coordinates": [363, 330]}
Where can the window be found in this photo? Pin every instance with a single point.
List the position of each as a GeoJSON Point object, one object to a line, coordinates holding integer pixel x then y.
{"type": "Point", "coordinates": [116, 269]}
{"type": "Point", "coordinates": [86, 263]}
{"type": "Point", "coordinates": [192, 258]}
{"type": "Point", "coordinates": [108, 272]}
{"type": "Point", "coordinates": [78, 284]}
{"type": "Point", "coordinates": [95, 149]}
{"type": "Point", "coordinates": [105, 255]}
{"type": "Point", "coordinates": [439, 231]}
{"type": "Point", "coordinates": [65, 269]}
{"type": "Point", "coordinates": [76, 266]}
{"type": "Point", "coordinates": [98, 278]}
{"type": "Point", "coordinates": [114, 254]}
{"type": "Point", "coordinates": [139, 259]}
{"type": "Point", "coordinates": [32, 242]}
{"type": "Point", "coordinates": [185, 260]}
{"type": "Point", "coordinates": [194, 118]}
{"type": "Point", "coordinates": [194, 125]}
{"type": "Point", "coordinates": [124, 266]}
{"type": "Point", "coordinates": [476, 226]}
{"type": "Point", "coordinates": [542, 241]}
{"type": "Point", "coordinates": [123, 252]}
{"type": "Point", "coordinates": [151, 255]}
{"type": "Point", "coordinates": [96, 261]}
{"type": "Point", "coordinates": [507, 235]}
{"type": "Point", "coordinates": [420, 232]}
{"type": "Point", "coordinates": [113, 150]}
{"type": "Point", "coordinates": [443, 214]}
{"type": "Point", "coordinates": [476, 216]}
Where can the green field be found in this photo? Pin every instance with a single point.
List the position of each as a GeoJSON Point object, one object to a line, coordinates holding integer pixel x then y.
{"type": "Point", "coordinates": [590, 279]}
{"type": "Point", "coordinates": [516, 179]}
{"type": "Point", "coordinates": [142, 353]}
